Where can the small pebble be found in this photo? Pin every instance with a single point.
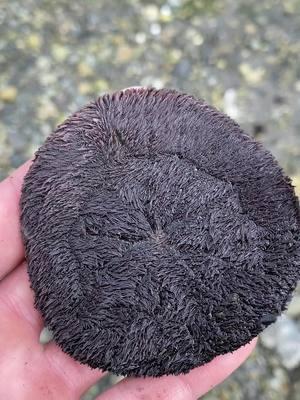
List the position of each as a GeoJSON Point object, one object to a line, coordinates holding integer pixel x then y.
{"type": "Point", "coordinates": [8, 94]}
{"type": "Point", "coordinates": [45, 336]}
{"type": "Point", "coordinates": [294, 307]}
{"type": "Point", "coordinates": [284, 337]}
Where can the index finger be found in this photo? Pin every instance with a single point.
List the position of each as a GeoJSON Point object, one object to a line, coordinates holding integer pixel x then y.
{"type": "Point", "coordinates": [11, 246]}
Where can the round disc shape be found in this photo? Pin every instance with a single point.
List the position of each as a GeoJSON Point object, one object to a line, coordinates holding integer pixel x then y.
{"type": "Point", "coordinates": [158, 234]}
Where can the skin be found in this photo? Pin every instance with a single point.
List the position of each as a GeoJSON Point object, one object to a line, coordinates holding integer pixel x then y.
{"type": "Point", "coordinates": [30, 370]}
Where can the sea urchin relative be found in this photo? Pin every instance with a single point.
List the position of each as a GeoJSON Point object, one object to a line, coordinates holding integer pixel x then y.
{"type": "Point", "coordinates": [158, 234]}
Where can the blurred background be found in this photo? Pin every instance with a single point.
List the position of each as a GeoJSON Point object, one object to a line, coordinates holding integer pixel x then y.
{"type": "Point", "coordinates": [241, 56]}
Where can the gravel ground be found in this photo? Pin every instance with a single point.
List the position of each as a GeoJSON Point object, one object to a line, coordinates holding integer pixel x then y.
{"type": "Point", "coordinates": [241, 56]}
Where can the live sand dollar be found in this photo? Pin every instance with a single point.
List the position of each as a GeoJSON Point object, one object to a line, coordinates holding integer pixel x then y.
{"type": "Point", "coordinates": [158, 234]}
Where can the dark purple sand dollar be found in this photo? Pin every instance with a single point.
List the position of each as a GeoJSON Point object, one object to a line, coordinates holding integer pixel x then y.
{"type": "Point", "coordinates": [158, 234]}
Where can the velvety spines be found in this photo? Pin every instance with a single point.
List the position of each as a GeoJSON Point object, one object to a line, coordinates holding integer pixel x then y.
{"type": "Point", "coordinates": [158, 234]}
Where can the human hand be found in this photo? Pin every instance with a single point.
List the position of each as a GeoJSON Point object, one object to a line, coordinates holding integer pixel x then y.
{"type": "Point", "coordinates": [30, 370]}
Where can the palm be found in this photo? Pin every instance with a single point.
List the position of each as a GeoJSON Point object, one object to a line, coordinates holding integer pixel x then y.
{"type": "Point", "coordinates": [32, 371]}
